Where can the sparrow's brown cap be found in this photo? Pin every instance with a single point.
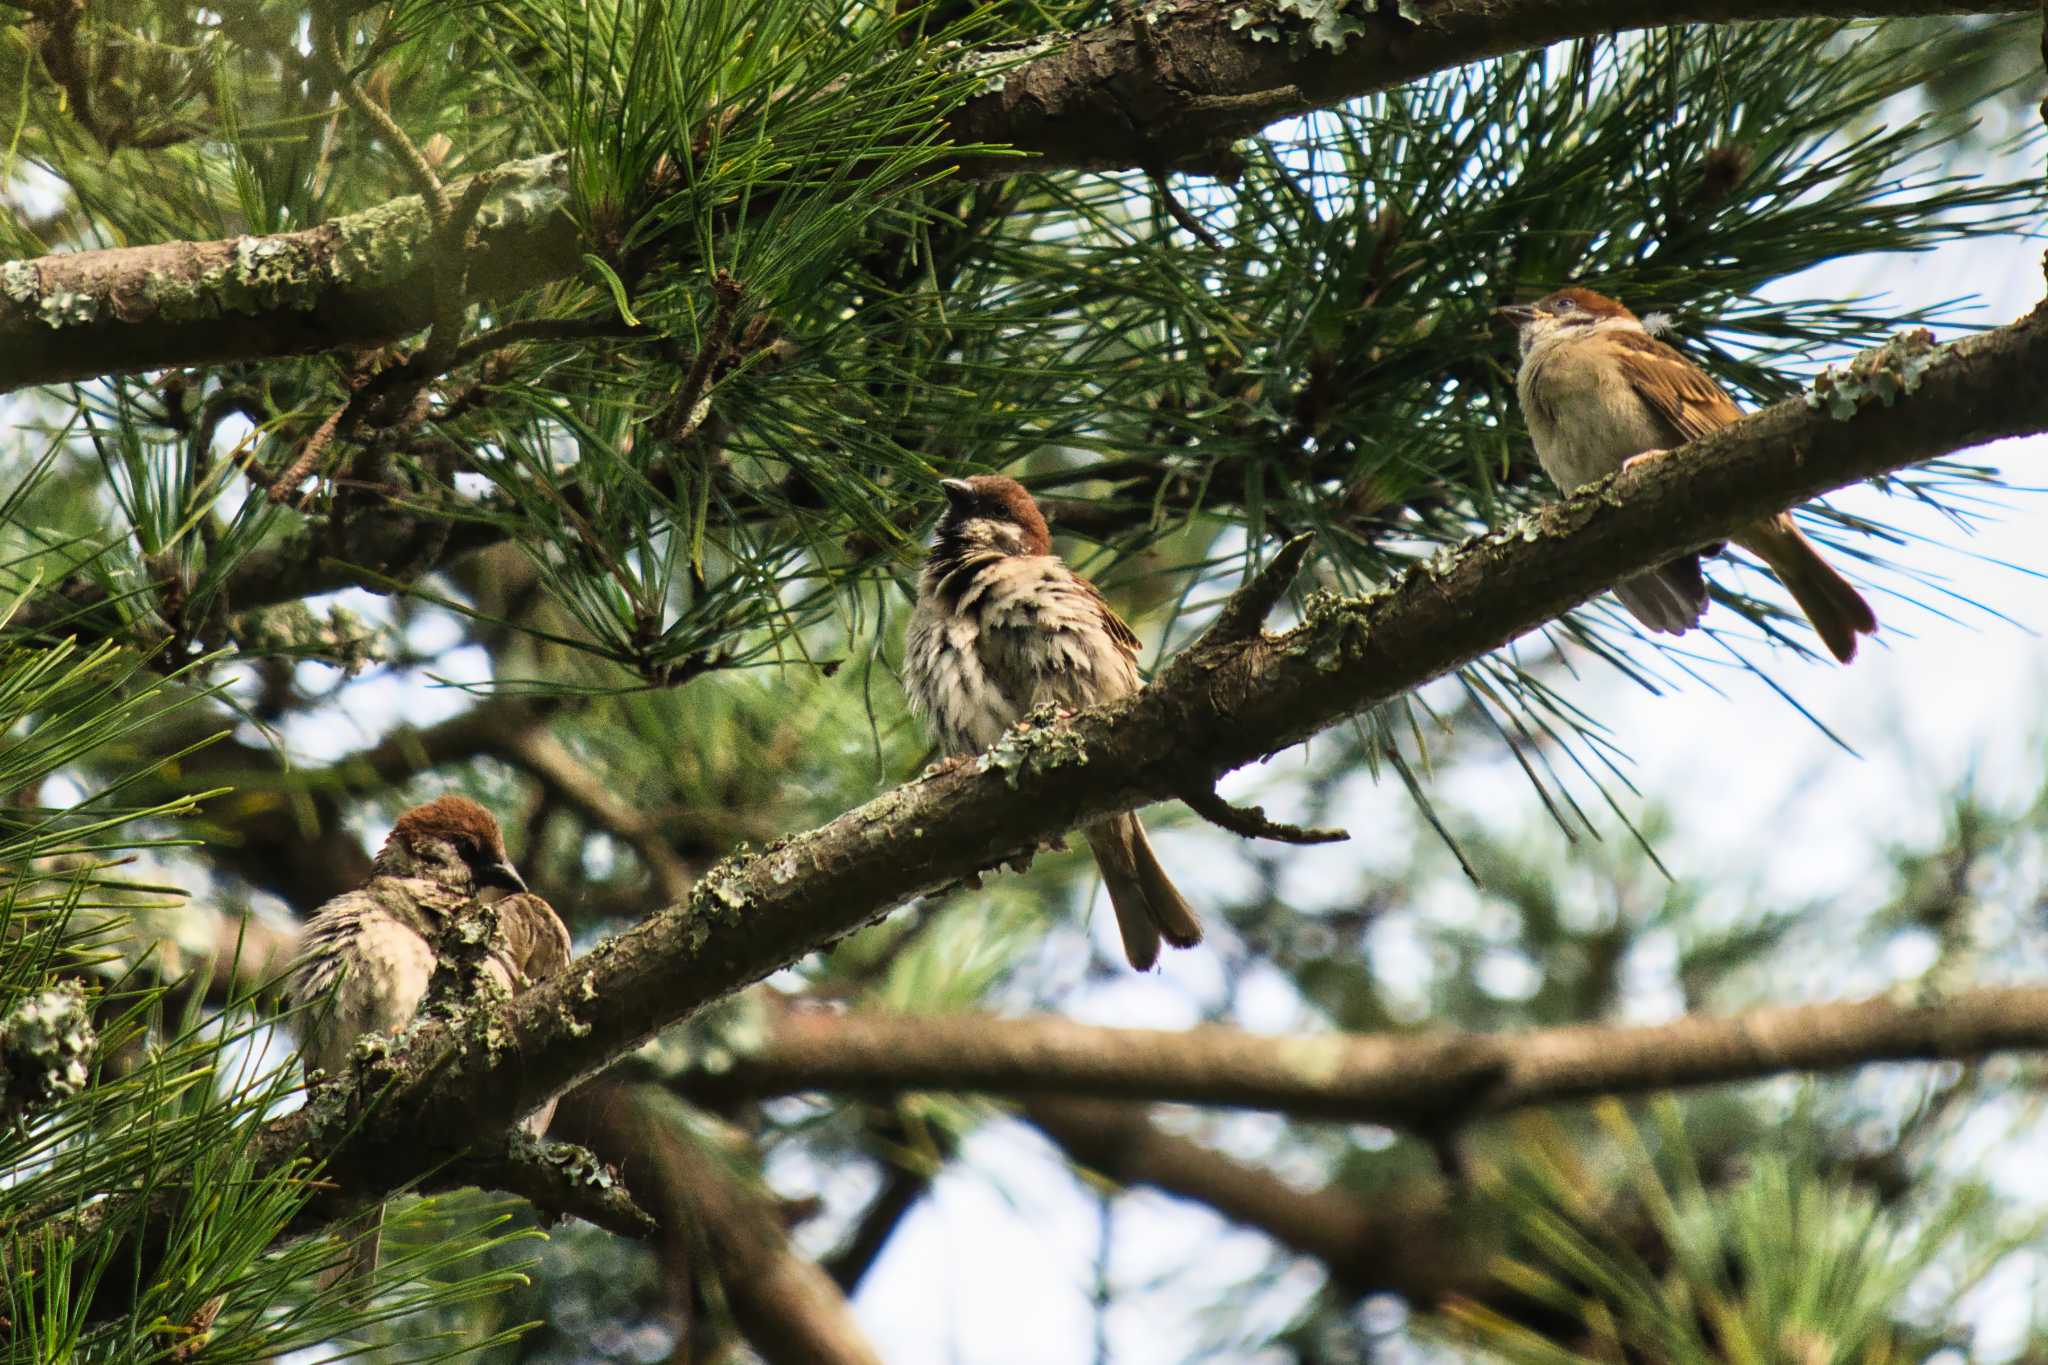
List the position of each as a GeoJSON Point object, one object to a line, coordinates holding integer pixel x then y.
{"type": "Point", "coordinates": [1571, 297]}
{"type": "Point", "coordinates": [997, 497]}
{"type": "Point", "coordinates": [459, 821]}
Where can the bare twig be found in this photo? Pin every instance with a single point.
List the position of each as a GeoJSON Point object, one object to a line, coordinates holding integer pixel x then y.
{"type": "Point", "coordinates": [1247, 608]}
{"type": "Point", "coordinates": [309, 456]}
{"type": "Point", "coordinates": [681, 419]}
{"type": "Point", "coordinates": [559, 1179]}
{"type": "Point", "coordinates": [1251, 822]}
{"type": "Point", "coordinates": [1179, 213]}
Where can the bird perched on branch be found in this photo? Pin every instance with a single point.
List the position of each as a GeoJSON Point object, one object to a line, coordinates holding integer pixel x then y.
{"type": "Point", "coordinates": [1003, 626]}
{"type": "Point", "coordinates": [1599, 392]}
{"type": "Point", "coordinates": [366, 957]}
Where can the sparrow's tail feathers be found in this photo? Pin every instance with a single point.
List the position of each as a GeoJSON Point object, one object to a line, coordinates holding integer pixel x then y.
{"type": "Point", "coordinates": [1670, 599]}
{"type": "Point", "coordinates": [362, 1235]}
{"type": "Point", "coordinates": [1148, 905]}
{"type": "Point", "coordinates": [1838, 612]}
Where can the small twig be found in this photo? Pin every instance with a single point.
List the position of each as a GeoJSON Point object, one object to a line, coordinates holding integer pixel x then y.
{"type": "Point", "coordinates": [454, 241]}
{"type": "Point", "coordinates": [544, 329]}
{"type": "Point", "coordinates": [1280, 99]}
{"type": "Point", "coordinates": [309, 455]}
{"type": "Point", "coordinates": [1252, 823]}
{"type": "Point", "coordinates": [726, 295]}
{"type": "Point", "coordinates": [328, 48]}
{"type": "Point", "coordinates": [1246, 610]}
{"type": "Point", "coordinates": [559, 1179]}
{"type": "Point", "coordinates": [1179, 213]}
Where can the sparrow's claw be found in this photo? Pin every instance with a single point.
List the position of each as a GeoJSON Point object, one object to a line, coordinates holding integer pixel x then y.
{"type": "Point", "coordinates": [1634, 460]}
{"type": "Point", "coordinates": [951, 763]}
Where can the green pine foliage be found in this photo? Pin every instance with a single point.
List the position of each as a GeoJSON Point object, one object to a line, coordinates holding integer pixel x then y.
{"type": "Point", "coordinates": [715, 447]}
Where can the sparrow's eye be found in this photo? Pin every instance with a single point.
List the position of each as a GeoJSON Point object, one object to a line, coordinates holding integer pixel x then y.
{"type": "Point", "coordinates": [1564, 306]}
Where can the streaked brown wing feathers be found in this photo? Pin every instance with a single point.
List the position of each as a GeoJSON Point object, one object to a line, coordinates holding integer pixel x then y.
{"type": "Point", "coordinates": [1690, 403]}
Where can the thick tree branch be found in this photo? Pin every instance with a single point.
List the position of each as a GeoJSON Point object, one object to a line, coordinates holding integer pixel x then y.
{"type": "Point", "coordinates": [1407, 1242]}
{"type": "Point", "coordinates": [1425, 1081]}
{"type": "Point", "coordinates": [715, 1224]}
{"type": "Point", "coordinates": [1181, 81]}
{"type": "Point", "coordinates": [1100, 99]}
{"type": "Point", "coordinates": [1210, 711]}
{"type": "Point", "coordinates": [363, 280]}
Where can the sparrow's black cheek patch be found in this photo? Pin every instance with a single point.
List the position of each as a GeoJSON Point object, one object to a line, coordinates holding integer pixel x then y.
{"type": "Point", "coordinates": [955, 585]}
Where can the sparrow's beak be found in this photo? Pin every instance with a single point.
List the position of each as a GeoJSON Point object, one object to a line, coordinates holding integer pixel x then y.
{"type": "Point", "coordinates": [500, 874]}
{"type": "Point", "coordinates": [959, 492]}
{"type": "Point", "coordinates": [1520, 314]}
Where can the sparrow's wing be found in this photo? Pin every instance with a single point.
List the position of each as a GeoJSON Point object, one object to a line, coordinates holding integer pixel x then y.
{"type": "Point", "coordinates": [1689, 402]}
{"type": "Point", "coordinates": [534, 938]}
{"type": "Point", "coordinates": [1120, 634]}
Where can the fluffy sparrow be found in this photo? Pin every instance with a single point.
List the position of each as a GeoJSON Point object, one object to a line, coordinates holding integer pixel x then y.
{"type": "Point", "coordinates": [366, 957]}
{"type": "Point", "coordinates": [1599, 392]}
{"type": "Point", "coordinates": [1002, 626]}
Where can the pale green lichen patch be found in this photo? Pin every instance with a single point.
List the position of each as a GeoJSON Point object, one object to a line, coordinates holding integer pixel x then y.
{"type": "Point", "coordinates": [579, 1165]}
{"type": "Point", "coordinates": [1038, 741]}
{"type": "Point", "coordinates": [1253, 26]}
{"type": "Point", "coordinates": [46, 1042]}
{"type": "Point", "coordinates": [526, 191]}
{"type": "Point", "coordinates": [67, 308]}
{"type": "Point", "coordinates": [720, 894]}
{"type": "Point", "coordinates": [1325, 24]}
{"type": "Point", "coordinates": [269, 272]}
{"type": "Point", "coordinates": [991, 62]}
{"type": "Point", "coordinates": [1317, 1062]}
{"type": "Point", "coordinates": [379, 244]}
{"type": "Point", "coordinates": [1333, 629]}
{"type": "Point", "coordinates": [1882, 375]}
{"type": "Point", "coordinates": [1329, 27]}
{"type": "Point", "coordinates": [340, 637]}
{"type": "Point", "coordinates": [21, 282]}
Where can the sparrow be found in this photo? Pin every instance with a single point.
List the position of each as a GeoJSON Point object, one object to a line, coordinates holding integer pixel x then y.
{"type": "Point", "coordinates": [1599, 392]}
{"type": "Point", "coordinates": [366, 956]}
{"type": "Point", "coordinates": [1003, 626]}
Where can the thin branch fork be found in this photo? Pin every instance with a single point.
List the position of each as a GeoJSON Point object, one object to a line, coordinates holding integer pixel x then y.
{"type": "Point", "coordinates": [1241, 618]}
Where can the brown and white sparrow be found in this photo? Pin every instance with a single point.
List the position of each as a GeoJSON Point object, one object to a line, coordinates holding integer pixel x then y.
{"type": "Point", "coordinates": [1003, 626]}
{"type": "Point", "coordinates": [1598, 392]}
{"type": "Point", "coordinates": [366, 957]}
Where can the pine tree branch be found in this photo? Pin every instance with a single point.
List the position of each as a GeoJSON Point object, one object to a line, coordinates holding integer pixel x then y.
{"type": "Point", "coordinates": [1097, 99]}
{"type": "Point", "coordinates": [787, 1307]}
{"type": "Point", "coordinates": [1173, 86]}
{"type": "Point", "coordinates": [1407, 1241]}
{"type": "Point", "coordinates": [1209, 712]}
{"type": "Point", "coordinates": [1427, 1082]}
